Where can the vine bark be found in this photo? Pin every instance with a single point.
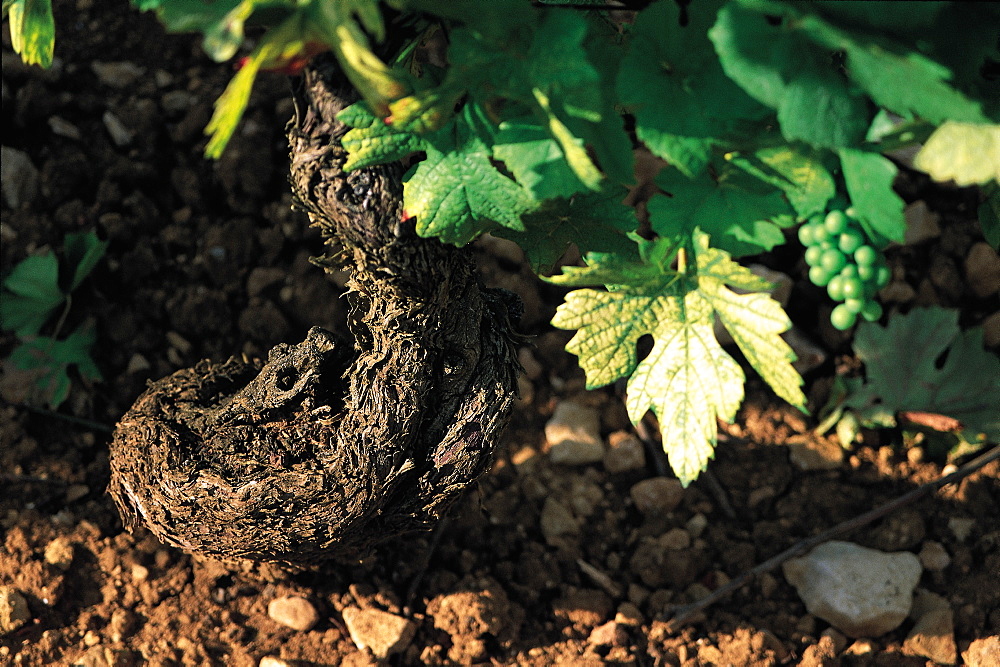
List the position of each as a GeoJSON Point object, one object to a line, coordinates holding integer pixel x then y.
{"type": "Point", "coordinates": [331, 446]}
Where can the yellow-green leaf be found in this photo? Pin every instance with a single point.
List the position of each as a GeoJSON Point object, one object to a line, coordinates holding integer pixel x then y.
{"type": "Point", "coordinates": [962, 152]}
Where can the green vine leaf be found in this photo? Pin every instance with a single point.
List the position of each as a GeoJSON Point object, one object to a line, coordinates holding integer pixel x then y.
{"type": "Point", "coordinates": [743, 215]}
{"type": "Point", "coordinates": [688, 380]}
{"type": "Point", "coordinates": [32, 30]}
{"type": "Point", "coordinates": [781, 67]}
{"type": "Point", "coordinates": [456, 193]}
{"type": "Point", "coordinates": [535, 158]}
{"type": "Point", "coordinates": [52, 359]}
{"type": "Point", "coordinates": [683, 102]}
{"type": "Point", "coordinates": [794, 169]}
{"type": "Point", "coordinates": [373, 141]}
{"type": "Point", "coordinates": [33, 294]}
{"type": "Point", "coordinates": [594, 221]}
{"type": "Point", "coordinates": [902, 372]}
{"type": "Point", "coordinates": [869, 178]}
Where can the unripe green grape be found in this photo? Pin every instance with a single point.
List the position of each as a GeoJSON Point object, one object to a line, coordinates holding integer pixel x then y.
{"type": "Point", "coordinates": [842, 317]}
{"type": "Point", "coordinates": [854, 305]}
{"type": "Point", "coordinates": [833, 261]}
{"type": "Point", "coordinates": [851, 212]}
{"type": "Point", "coordinates": [872, 311]}
{"type": "Point", "coordinates": [819, 277]}
{"type": "Point", "coordinates": [850, 241]}
{"type": "Point", "coordinates": [835, 288]}
{"type": "Point", "coordinates": [820, 235]}
{"type": "Point", "coordinates": [806, 235]}
{"type": "Point", "coordinates": [813, 255]}
{"type": "Point", "coordinates": [866, 256]}
{"type": "Point", "coordinates": [867, 272]}
{"type": "Point", "coordinates": [836, 222]}
{"type": "Point", "coordinates": [849, 271]}
{"type": "Point", "coordinates": [882, 276]}
{"type": "Point", "coordinates": [854, 288]}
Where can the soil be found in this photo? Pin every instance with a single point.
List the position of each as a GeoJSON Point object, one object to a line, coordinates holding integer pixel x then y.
{"type": "Point", "coordinates": [207, 260]}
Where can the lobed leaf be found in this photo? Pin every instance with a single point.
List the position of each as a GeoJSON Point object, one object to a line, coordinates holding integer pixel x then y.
{"type": "Point", "coordinates": [961, 152]}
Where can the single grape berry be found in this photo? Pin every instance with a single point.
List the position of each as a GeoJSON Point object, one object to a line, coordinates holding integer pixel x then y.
{"type": "Point", "coordinates": [866, 256]}
{"type": "Point", "coordinates": [854, 288]}
{"type": "Point", "coordinates": [813, 255]}
{"type": "Point", "coordinates": [836, 222]}
{"type": "Point", "coordinates": [833, 261]}
{"type": "Point", "coordinates": [854, 305]}
{"type": "Point", "coordinates": [872, 311]}
{"type": "Point", "coordinates": [819, 276]}
{"type": "Point", "coordinates": [835, 288]}
{"type": "Point", "coordinates": [842, 318]}
{"type": "Point", "coordinates": [806, 236]}
{"type": "Point", "coordinates": [850, 241]}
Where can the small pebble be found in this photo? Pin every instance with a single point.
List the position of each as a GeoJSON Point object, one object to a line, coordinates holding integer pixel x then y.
{"type": "Point", "coordinates": [657, 495]}
{"type": "Point", "coordinates": [271, 661]}
{"type": "Point", "coordinates": [294, 612]}
{"type": "Point", "coordinates": [811, 452]}
{"type": "Point", "coordinates": [574, 434]}
{"type": "Point", "coordinates": [625, 453]}
{"type": "Point", "coordinates": [557, 521]}
{"type": "Point", "coordinates": [120, 134]}
{"type": "Point", "coordinates": [961, 527]}
{"type": "Point", "coordinates": [984, 652]}
{"type": "Point", "coordinates": [982, 270]}
{"type": "Point", "coordinates": [383, 633]}
{"type": "Point", "coordinates": [934, 637]}
{"type": "Point", "coordinates": [696, 525]}
{"type": "Point", "coordinates": [611, 633]}
{"type": "Point", "coordinates": [59, 553]}
{"type": "Point", "coordinates": [14, 611]}
{"type": "Point", "coordinates": [933, 556]}
{"type": "Point", "coordinates": [118, 75]}
{"type": "Point", "coordinates": [18, 177]}
{"type": "Point", "coordinates": [76, 492]}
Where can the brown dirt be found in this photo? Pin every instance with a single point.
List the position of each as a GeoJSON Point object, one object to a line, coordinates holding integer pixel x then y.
{"type": "Point", "coordinates": [207, 260]}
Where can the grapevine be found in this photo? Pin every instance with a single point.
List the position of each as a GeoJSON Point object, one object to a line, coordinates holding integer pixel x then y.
{"type": "Point", "coordinates": [523, 121]}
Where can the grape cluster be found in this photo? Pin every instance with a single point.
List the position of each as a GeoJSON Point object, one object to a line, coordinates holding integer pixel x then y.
{"type": "Point", "coordinates": [840, 260]}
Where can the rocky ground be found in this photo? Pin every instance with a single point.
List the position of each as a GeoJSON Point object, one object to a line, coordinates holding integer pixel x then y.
{"type": "Point", "coordinates": [576, 549]}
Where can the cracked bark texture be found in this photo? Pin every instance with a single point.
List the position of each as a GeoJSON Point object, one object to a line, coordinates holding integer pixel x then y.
{"type": "Point", "coordinates": [333, 445]}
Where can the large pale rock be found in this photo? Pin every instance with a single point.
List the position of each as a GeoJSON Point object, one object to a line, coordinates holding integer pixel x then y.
{"type": "Point", "coordinates": [381, 632]}
{"type": "Point", "coordinates": [862, 592]}
{"type": "Point", "coordinates": [574, 434]}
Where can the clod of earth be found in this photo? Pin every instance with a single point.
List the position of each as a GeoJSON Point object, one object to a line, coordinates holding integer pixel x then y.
{"type": "Point", "coordinates": [330, 447]}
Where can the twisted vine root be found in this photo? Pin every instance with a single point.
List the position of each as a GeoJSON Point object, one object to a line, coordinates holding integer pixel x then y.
{"type": "Point", "coordinates": [331, 447]}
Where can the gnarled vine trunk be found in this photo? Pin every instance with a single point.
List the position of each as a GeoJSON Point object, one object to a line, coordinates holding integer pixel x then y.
{"type": "Point", "coordinates": [332, 445]}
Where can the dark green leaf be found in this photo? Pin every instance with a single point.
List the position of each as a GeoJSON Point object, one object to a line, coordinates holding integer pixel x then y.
{"type": "Point", "coordinates": [83, 251]}
{"type": "Point", "coordinates": [869, 178]}
{"type": "Point", "coordinates": [742, 215]}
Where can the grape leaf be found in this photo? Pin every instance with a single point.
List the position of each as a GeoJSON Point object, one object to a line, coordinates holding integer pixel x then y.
{"type": "Point", "coordinates": [794, 169]}
{"type": "Point", "coordinates": [682, 100]}
{"type": "Point", "coordinates": [780, 66]}
{"type": "Point", "coordinates": [535, 158]}
{"type": "Point", "coordinates": [53, 358]}
{"type": "Point", "coordinates": [688, 380]}
{"type": "Point", "coordinates": [961, 152]}
{"type": "Point", "coordinates": [593, 221]}
{"type": "Point", "coordinates": [902, 371]}
{"type": "Point", "coordinates": [32, 294]}
{"type": "Point", "coordinates": [373, 141]}
{"type": "Point", "coordinates": [83, 251]}
{"type": "Point", "coordinates": [456, 193]}
{"type": "Point", "coordinates": [32, 30]}
{"type": "Point", "coordinates": [896, 77]}
{"type": "Point", "coordinates": [743, 215]}
{"type": "Point", "coordinates": [869, 178]}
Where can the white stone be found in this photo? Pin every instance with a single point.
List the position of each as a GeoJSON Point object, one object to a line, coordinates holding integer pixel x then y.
{"type": "Point", "coordinates": [574, 434]}
{"type": "Point", "coordinates": [961, 527]}
{"type": "Point", "coordinates": [861, 592]}
{"type": "Point", "coordinates": [120, 134]}
{"type": "Point", "coordinates": [294, 612]}
{"type": "Point", "coordinates": [381, 632]}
